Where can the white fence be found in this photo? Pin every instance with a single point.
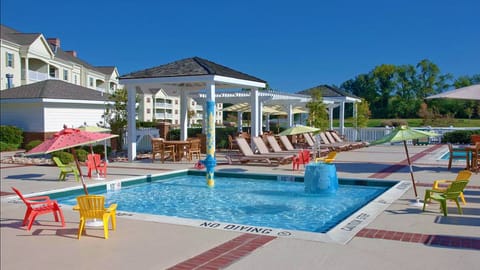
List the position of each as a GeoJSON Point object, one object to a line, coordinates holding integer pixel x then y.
{"type": "Point", "coordinates": [372, 134]}
{"type": "Point", "coordinates": [351, 134]}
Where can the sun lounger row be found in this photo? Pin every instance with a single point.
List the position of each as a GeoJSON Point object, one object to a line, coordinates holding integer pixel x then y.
{"type": "Point", "coordinates": [247, 155]}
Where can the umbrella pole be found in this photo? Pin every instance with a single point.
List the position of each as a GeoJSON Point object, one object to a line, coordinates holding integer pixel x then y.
{"type": "Point", "coordinates": [417, 199]}
{"type": "Point", "coordinates": [79, 171]}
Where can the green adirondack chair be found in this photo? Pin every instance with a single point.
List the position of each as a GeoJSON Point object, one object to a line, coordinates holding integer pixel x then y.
{"type": "Point", "coordinates": [451, 193]}
{"type": "Point", "coordinates": [66, 169]}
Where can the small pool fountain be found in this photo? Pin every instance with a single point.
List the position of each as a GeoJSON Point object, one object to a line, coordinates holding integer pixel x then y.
{"type": "Point", "coordinates": [321, 178]}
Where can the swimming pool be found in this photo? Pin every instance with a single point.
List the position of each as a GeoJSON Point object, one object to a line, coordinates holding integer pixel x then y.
{"type": "Point", "coordinates": [245, 202]}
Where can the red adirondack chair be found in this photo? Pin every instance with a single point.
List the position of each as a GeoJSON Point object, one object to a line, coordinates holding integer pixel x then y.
{"type": "Point", "coordinates": [303, 157]}
{"type": "Point", "coordinates": [94, 163]}
{"type": "Point", "coordinates": [38, 206]}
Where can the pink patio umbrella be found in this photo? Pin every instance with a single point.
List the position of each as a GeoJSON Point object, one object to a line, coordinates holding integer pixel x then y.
{"type": "Point", "coordinates": [70, 138]}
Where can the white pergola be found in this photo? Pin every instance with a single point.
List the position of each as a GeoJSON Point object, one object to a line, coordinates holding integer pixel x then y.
{"type": "Point", "coordinates": [256, 101]}
{"type": "Point", "coordinates": [183, 78]}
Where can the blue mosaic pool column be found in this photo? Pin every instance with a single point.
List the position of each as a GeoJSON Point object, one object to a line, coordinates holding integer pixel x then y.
{"type": "Point", "coordinates": [210, 161]}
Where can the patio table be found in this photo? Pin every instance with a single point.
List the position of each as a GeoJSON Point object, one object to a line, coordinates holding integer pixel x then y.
{"type": "Point", "coordinates": [179, 147]}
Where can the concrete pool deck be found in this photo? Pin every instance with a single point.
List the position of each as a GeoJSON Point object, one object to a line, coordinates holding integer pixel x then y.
{"type": "Point", "coordinates": [401, 237]}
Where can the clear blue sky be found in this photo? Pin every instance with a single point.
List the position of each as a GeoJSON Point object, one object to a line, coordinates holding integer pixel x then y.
{"type": "Point", "coordinates": [293, 45]}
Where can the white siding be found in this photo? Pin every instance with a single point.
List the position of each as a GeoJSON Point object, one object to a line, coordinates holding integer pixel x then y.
{"type": "Point", "coordinates": [72, 115]}
{"type": "Point", "coordinates": [39, 49]}
{"type": "Point", "coordinates": [4, 70]}
{"type": "Point", "coordinates": [27, 116]}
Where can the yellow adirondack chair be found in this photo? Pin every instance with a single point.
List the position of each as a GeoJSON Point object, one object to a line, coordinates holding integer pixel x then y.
{"type": "Point", "coordinates": [93, 207]}
{"type": "Point", "coordinates": [462, 175]}
{"type": "Point", "coordinates": [451, 193]}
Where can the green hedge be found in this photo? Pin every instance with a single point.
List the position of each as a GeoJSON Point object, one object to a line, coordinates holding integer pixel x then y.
{"type": "Point", "coordinates": [7, 147]}
{"type": "Point", "coordinates": [32, 144]}
{"type": "Point", "coordinates": [11, 135]}
{"type": "Point", "coordinates": [459, 136]}
{"type": "Point", "coordinates": [65, 157]}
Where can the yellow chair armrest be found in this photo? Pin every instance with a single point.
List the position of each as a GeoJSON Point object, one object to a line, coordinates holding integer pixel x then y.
{"type": "Point", "coordinates": [436, 182]}
{"type": "Point", "coordinates": [76, 208]}
{"type": "Point", "coordinates": [112, 207]}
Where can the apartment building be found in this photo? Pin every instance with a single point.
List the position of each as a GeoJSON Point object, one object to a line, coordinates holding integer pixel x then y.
{"type": "Point", "coordinates": [158, 106]}
{"type": "Point", "coordinates": [27, 58]}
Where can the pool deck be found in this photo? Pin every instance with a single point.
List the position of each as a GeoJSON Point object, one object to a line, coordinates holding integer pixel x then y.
{"type": "Point", "coordinates": [401, 237]}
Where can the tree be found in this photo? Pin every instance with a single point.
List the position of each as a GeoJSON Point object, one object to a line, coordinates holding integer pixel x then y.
{"type": "Point", "coordinates": [363, 114]}
{"type": "Point", "coordinates": [383, 76]}
{"type": "Point", "coordinates": [116, 115]}
{"type": "Point", "coordinates": [318, 116]}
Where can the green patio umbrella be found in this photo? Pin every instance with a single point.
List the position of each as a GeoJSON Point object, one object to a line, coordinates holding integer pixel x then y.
{"type": "Point", "coordinates": [404, 134]}
{"type": "Point", "coordinates": [298, 129]}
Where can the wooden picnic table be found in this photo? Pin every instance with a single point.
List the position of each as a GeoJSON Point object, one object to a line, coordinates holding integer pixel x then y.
{"type": "Point", "coordinates": [179, 147]}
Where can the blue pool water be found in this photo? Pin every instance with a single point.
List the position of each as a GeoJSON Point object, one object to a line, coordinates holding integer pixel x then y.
{"type": "Point", "coordinates": [457, 155]}
{"type": "Point", "coordinates": [275, 204]}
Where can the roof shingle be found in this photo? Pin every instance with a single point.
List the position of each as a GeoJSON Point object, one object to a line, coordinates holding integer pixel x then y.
{"type": "Point", "coordinates": [54, 89]}
{"type": "Point", "coordinates": [194, 66]}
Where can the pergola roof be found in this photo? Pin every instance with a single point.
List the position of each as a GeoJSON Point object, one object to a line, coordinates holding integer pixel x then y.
{"type": "Point", "coordinates": [331, 93]}
{"type": "Point", "coordinates": [194, 66]}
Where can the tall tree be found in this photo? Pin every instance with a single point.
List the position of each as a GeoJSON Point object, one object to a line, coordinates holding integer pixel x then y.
{"type": "Point", "coordinates": [383, 76]}
{"type": "Point", "coordinates": [116, 115]}
{"type": "Point", "coordinates": [318, 116]}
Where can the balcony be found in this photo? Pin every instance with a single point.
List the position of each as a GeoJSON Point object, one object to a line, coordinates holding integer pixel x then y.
{"type": "Point", "coordinates": [160, 116]}
{"type": "Point", "coordinates": [163, 105]}
{"type": "Point", "coordinates": [36, 76]}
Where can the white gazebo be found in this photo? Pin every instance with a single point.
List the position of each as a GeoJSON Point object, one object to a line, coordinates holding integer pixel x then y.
{"type": "Point", "coordinates": [183, 78]}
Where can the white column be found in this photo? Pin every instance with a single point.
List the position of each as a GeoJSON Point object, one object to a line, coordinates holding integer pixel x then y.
{"type": "Point", "coordinates": [27, 79]}
{"type": "Point", "coordinates": [131, 123]}
{"type": "Point", "coordinates": [330, 116]}
{"type": "Point", "coordinates": [355, 116]}
{"type": "Point", "coordinates": [240, 121]}
{"type": "Point", "coordinates": [267, 123]}
{"type": "Point", "coordinates": [342, 118]}
{"type": "Point", "coordinates": [254, 111]}
{"type": "Point", "coordinates": [183, 115]}
{"type": "Point", "coordinates": [260, 118]}
{"type": "Point", "coordinates": [290, 115]}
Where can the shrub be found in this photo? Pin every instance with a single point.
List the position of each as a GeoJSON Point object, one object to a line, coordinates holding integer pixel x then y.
{"type": "Point", "coordinates": [459, 136]}
{"type": "Point", "coordinates": [65, 157]}
{"type": "Point", "coordinates": [81, 154]}
{"type": "Point", "coordinates": [32, 144]}
{"type": "Point", "coordinates": [394, 123]}
{"type": "Point", "coordinates": [7, 147]}
{"type": "Point", "coordinates": [11, 135]}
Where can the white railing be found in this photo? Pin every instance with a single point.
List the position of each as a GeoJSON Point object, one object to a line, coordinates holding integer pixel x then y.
{"type": "Point", "coordinates": [37, 76]}
{"type": "Point", "coordinates": [372, 134]}
{"type": "Point", "coordinates": [351, 134]}
{"type": "Point", "coordinates": [163, 116]}
{"type": "Point", "coordinates": [159, 105]}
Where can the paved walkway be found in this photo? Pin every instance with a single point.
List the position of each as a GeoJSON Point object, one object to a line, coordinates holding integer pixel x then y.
{"type": "Point", "coordinates": [402, 237]}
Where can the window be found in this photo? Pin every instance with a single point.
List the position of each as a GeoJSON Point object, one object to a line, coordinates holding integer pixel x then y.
{"type": "Point", "coordinates": [148, 111]}
{"type": "Point", "coordinates": [10, 60]}
{"type": "Point", "coordinates": [90, 80]}
{"type": "Point", "coordinates": [65, 75]}
{"type": "Point", "coordinates": [75, 79]}
{"type": "Point", "coordinates": [52, 72]}
{"type": "Point", "coordinates": [176, 101]}
{"type": "Point", "coordinates": [176, 111]}
{"type": "Point", "coordinates": [148, 100]}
